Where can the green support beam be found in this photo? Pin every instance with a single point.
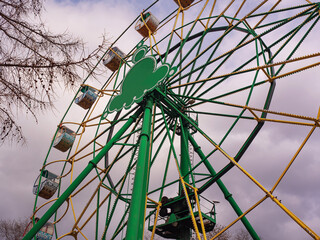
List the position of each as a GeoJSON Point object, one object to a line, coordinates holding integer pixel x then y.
{"type": "Point", "coordinates": [185, 232]}
{"type": "Point", "coordinates": [226, 193]}
{"type": "Point", "coordinates": [136, 218]}
{"type": "Point", "coordinates": [91, 165]}
{"type": "Point", "coordinates": [184, 157]}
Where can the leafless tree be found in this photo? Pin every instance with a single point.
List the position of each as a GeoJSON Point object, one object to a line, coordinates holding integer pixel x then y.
{"type": "Point", "coordinates": [242, 234]}
{"type": "Point", "coordinates": [32, 62]}
{"type": "Point", "coordinates": [12, 229]}
{"type": "Point", "coordinates": [218, 228]}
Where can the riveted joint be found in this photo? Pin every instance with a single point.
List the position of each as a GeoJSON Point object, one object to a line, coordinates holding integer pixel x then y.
{"type": "Point", "coordinates": [197, 148]}
{"type": "Point", "coordinates": [227, 196]}
{"type": "Point", "coordinates": [144, 134]}
{"type": "Point", "coordinates": [93, 164]}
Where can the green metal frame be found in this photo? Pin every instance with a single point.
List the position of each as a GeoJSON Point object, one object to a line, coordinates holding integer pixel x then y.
{"type": "Point", "coordinates": [171, 113]}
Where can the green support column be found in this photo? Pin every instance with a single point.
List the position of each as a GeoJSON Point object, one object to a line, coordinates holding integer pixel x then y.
{"type": "Point", "coordinates": [227, 194]}
{"type": "Point", "coordinates": [185, 158]}
{"type": "Point", "coordinates": [79, 179]}
{"type": "Point", "coordinates": [136, 218]}
{"type": "Point", "coordinates": [185, 232]}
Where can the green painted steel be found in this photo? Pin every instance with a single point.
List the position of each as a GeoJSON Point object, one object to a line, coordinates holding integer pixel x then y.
{"type": "Point", "coordinates": [173, 105]}
{"type": "Point", "coordinates": [136, 220]}
{"type": "Point", "coordinates": [118, 196]}
{"type": "Point", "coordinates": [120, 225]}
{"type": "Point", "coordinates": [165, 172]}
{"type": "Point", "coordinates": [226, 193]}
{"type": "Point", "coordinates": [184, 167]}
{"type": "Point", "coordinates": [185, 158]}
{"type": "Point", "coordinates": [91, 165]}
{"type": "Point", "coordinates": [141, 78]}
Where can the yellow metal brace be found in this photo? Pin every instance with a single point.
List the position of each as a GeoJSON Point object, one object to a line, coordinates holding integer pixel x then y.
{"type": "Point", "coordinates": [241, 216]}
{"type": "Point", "coordinates": [269, 194]}
{"type": "Point", "coordinates": [199, 210]}
{"type": "Point", "coordinates": [156, 218]}
{"type": "Point", "coordinates": [190, 208]}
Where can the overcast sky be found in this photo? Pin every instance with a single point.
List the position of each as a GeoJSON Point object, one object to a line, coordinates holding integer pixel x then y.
{"type": "Point", "coordinates": [266, 158]}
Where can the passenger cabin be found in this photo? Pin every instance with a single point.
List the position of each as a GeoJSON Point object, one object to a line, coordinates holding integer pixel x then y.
{"type": "Point", "coordinates": [45, 233]}
{"type": "Point", "coordinates": [184, 3]}
{"type": "Point", "coordinates": [64, 139]}
{"type": "Point", "coordinates": [174, 218]}
{"type": "Point", "coordinates": [113, 59]}
{"type": "Point", "coordinates": [191, 128]}
{"type": "Point", "coordinates": [147, 23]}
{"type": "Point", "coordinates": [48, 185]}
{"type": "Point", "coordinates": [87, 98]}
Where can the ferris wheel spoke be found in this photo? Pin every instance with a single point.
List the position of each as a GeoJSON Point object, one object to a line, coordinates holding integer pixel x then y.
{"type": "Point", "coordinates": [251, 70]}
{"type": "Point", "coordinates": [262, 34]}
{"type": "Point", "coordinates": [193, 65]}
{"type": "Point", "coordinates": [76, 183]}
{"type": "Point", "coordinates": [120, 195]}
{"type": "Point", "coordinates": [206, 65]}
{"type": "Point", "coordinates": [223, 188]}
{"type": "Point", "coordinates": [188, 34]}
{"type": "Point", "coordinates": [122, 224]}
{"type": "Point", "coordinates": [172, 148]}
{"type": "Point", "coordinates": [211, 74]}
{"type": "Point", "coordinates": [223, 60]}
{"type": "Point", "coordinates": [173, 80]}
{"type": "Point", "coordinates": [165, 174]}
{"type": "Point", "coordinates": [203, 67]}
{"type": "Point", "coordinates": [223, 35]}
{"type": "Point", "coordinates": [300, 42]}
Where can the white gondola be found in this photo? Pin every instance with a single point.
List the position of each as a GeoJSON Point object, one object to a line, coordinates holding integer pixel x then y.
{"type": "Point", "coordinates": [48, 186]}
{"type": "Point", "coordinates": [184, 3]}
{"type": "Point", "coordinates": [149, 22]}
{"type": "Point", "coordinates": [45, 233]}
{"type": "Point", "coordinates": [64, 139]}
{"type": "Point", "coordinates": [113, 59]}
{"type": "Point", "coordinates": [87, 97]}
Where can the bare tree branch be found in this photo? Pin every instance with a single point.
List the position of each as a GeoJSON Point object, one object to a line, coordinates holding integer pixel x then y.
{"type": "Point", "coordinates": [33, 61]}
{"type": "Point", "coordinates": [12, 229]}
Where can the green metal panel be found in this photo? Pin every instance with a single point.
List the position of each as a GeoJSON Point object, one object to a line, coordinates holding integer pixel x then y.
{"type": "Point", "coordinates": [142, 77]}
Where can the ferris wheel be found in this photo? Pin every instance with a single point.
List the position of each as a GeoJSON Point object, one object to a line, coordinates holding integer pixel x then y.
{"type": "Point", "coordinates": [148, 149]}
